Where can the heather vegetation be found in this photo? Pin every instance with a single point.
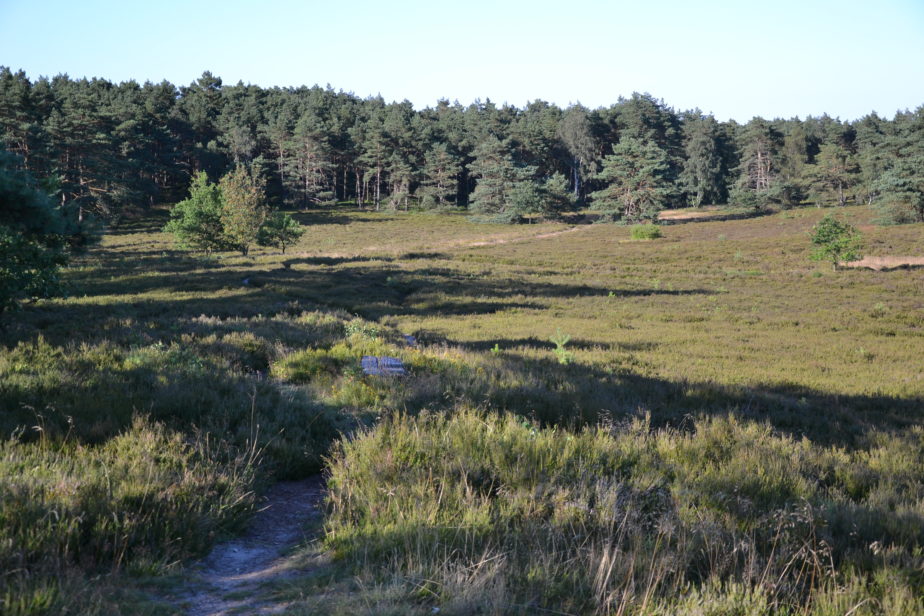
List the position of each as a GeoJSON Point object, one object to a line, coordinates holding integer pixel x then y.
{"type": "Point", "coordinates": [590, 423]}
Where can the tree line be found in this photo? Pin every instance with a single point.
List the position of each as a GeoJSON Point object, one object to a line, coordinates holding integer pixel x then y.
{"type": "Point", "coordinates": [103, 149]}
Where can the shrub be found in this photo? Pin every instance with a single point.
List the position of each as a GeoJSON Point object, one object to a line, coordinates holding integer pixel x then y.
{"type": "Point", "coordinates": [645, 232]}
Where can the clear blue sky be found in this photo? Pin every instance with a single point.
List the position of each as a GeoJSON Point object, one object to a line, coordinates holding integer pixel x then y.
{"type": "Point", "coordinates": [736, 59]}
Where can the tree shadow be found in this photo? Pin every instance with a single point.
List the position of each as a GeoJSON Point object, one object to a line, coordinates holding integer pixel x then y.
{"type": "Point", "coordinates": [579, 394]}
{"type": "Point", "coordinates": [534, 343]}
{"type": "Point", "coordinates": [718, 216]}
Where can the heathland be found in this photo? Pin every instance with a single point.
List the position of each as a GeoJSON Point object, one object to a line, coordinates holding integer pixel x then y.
{"type": "Point", "coordinates": [703, 423]}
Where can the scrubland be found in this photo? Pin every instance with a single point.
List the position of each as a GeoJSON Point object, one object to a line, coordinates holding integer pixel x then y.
{"type": "Point", "coordinates": [730, 428]}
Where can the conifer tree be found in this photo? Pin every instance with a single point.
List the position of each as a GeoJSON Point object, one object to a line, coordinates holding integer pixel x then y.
{"type": "Point", "coordinates": [32, 237]}
{"type": "Point", "coordinates": [637, 187]}
{"type": "Point", "coordinates": [279, 230]}
{"type": "Point", "coordinates": [758, 171]}
{"type": "Point", "coordinates": [575, 133]}
{"type": "Point", "coordinates": [702, 170]}
{"type": "Point", "coordinates": [309, 161]}
{"type": "Point", "coordinates": [440, 176]}
{"type": "Point", "coordinates": [507, 191]}
{"type": "Point", "coordinates": [243, 209]}
{"type": "Point", "coordinates": [832, 176]}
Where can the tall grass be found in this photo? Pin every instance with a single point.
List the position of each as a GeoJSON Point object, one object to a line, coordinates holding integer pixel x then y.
{"type": "Point", "coordinates": [144, 500]}
{"type": "Point", "coordinates": [477, 513]}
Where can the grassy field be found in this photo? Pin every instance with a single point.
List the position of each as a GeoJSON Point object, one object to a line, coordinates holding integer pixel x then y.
{"type": "Point", "coordinates": [723, 426]}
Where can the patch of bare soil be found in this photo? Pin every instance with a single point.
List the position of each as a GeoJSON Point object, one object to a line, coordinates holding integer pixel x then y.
{"type": "Point", "coordinates": [228, 580]}
{"type": "Point", "coordinates": [688, 215]}
{"type": "Point", "coordinates": [886, 263]}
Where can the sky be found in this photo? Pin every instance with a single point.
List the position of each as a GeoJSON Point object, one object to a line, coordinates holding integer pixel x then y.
{"type": "Point", "coordinates": [734, 59]}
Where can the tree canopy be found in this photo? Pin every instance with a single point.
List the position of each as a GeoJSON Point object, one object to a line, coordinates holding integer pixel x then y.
{"type": "Point", "coordinates": [105, 149]}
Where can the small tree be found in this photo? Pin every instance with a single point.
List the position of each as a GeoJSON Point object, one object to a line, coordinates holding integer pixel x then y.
{"type": "Point", "coordinates": [244, 209]}
{"type": "Point", "coordinates": [196, 222]}
{"type": "Point", "coordinates": [835, 241]}
{"type": "Point", "coordinates": [280, 230]}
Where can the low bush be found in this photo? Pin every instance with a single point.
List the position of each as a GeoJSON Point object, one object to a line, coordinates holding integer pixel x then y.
{"type": "Point", "coordinates": [645, 232]}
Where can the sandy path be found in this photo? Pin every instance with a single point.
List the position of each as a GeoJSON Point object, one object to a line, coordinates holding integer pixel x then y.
{"type": "Point", "coordinates": [885, 263]}
{"type": "Point", "coordinates": [228, 579]}
{"type": "Point", "coordinates": [522, 238]}
{"type": "Point", "coordinates": [444, 245]}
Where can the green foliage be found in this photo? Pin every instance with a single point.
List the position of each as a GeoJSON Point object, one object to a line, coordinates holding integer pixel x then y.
{"type": "Point", "coordinates": [279, 230]}
{"type": "Point", "coordinates": [758, 183]}
{"type": "Point", "coordinates": [32, 238]}
{"type": "Point", "coordinates": [836, 241]}
{"type": "Point", "coordinates": [833, 175]}
{"type": "Point", "coordinates": [560, 340]}
{"type": "Point", "coordinates": [243, 209]}
{"type": "Point", "coordinates": [196, 222]}
{"type": "Point", "coordinates": [576, 135]}
{"type": "Point", "coordinates": [508, 191]}
{"type": "Point", "coordinates": [636, 178]}
{"type": "Point", "coordinates": [901, 191]}
{"type": "Point", "coordinates": [702, 169]}
{"type": "Point", "coordinates": [645, 232]}
{"type": "Point", "coordinates": [229, 216]}
{"type": "Point", "coordinates": [440, 177]}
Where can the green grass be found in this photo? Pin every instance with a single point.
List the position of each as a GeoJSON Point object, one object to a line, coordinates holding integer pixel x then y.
{"type": "Point", "coordinates": [494, 513]}
{"type": "Point", "coordinates": [716, 380]}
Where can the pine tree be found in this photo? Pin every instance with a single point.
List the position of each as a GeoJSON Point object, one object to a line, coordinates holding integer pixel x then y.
{"type": "Point", "coordinates": [637, 187]}
{"type": "Point", "coordinates": [243, 208]}
{"type": "Point", "coordinates": [758, 170]}
{"type": "Point", "coordinates": [279, 230]}
{"type": "Point", "coordinates": [507, 191]}
{"type": "Point", "coordinates": [440, 176]}
{"type": "Point", "coordinates": [32, 237]}
{"type": "Point", "coordinates": [901, 185]}
{"type": "Point", "coordinates": [832, 176]}
{"type": "Point", "coordinates": [702, 169]}
{"type": "Point", "coordinates": [575, 133]}
{"type": "Point", "coordinates": [309, 161]}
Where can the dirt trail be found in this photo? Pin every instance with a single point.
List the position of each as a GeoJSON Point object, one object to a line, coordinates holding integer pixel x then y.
{"type": "Point", "coordinates": [522, 238]}
{"type": "Point", "coordinates": [227, 581]}
{"type": "Point", "coordinates": [451, 244]}
{"type": "Point", "coordinates": [886, 263]}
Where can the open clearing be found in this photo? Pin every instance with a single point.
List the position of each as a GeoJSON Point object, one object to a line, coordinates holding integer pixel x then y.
{"type": "Point", "coordinates": [738, 397]}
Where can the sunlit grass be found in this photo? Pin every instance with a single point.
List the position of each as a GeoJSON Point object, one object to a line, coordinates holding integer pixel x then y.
{"type": "Point", "coordinates": [737, 384]}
